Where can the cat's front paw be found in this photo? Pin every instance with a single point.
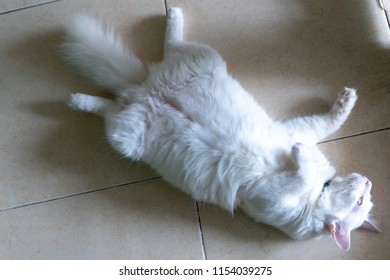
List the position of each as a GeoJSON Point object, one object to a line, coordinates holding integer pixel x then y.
{"type": "Point", "coordinates": [301, 152]}
{"type": "Point", "coordinates": [345, 102]}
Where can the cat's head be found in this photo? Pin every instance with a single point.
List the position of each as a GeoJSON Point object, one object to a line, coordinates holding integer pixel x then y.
{"type": "Point", "coordinates": [346, 205]}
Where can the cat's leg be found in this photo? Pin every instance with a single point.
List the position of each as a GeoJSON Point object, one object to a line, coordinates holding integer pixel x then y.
{"type": "Point", "coordinates": [287, 187]}
{"type": "Point", "coordinates": [91, 104]}
{"type": "Point", "coordinates": [312, 129]}
{"type": "Point", "coordinates": [305, 162]}
{"type": "Point", "coordinates": [174, 28]}
{"type": "Point", "coordinates": [125, 128]}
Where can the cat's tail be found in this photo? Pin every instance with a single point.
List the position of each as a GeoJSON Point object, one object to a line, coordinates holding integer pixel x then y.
{"type": "Point", "coordinates": [101, 55]}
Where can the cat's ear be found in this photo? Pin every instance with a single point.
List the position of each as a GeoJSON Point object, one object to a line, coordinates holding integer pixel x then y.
{"type": "Point", "coordinates": [370, 224]}
{"type": "Point", "coordinates": [341, 234]}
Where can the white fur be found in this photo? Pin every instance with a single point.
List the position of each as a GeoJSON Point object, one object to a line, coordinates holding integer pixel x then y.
{"type": "Point", "coordinates": [102, 54]}
{"type": "Point", "coordinates": [197, 127]}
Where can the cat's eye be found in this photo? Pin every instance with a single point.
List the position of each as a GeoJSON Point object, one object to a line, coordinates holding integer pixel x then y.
{"type": "Point", "coordinates": [327, 183]}
{"type": "Point", "coordinates": [360, 201]}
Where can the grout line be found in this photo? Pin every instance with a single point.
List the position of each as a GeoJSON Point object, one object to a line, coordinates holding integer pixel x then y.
{"type": "Point", "coordinates": [201, 232]}
{"type": "Point", "coordinates": [384, 8]}
{"type": "Point", "coordinates": [27, 7]}
{"type": "Point", "coordinates": [166, 7]}
{"type": "Point", "coordinates": [77, 194]}
{"type": "Point", "coordinates": [354, 135]}
{"type": "Point", "coordinates": [387, 18]}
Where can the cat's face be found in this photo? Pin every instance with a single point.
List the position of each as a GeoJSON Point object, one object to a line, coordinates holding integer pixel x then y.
{"type": "Point", "coordinates": [349, 195]}
{"type": "Point", "coordinates": [346, 203]}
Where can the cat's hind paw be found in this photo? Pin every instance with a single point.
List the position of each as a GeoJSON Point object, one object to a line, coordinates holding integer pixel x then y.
{"type": "Point", "coordinates": [78, 101]}
{"type": "Point", "coordinates": [174, 29]}
{"type": "Point", "coordinates": [175, 13]}
{"type": "Point", "coordinates": [345, 102]}
{"type": "Point", "coordinates": [91, 104]}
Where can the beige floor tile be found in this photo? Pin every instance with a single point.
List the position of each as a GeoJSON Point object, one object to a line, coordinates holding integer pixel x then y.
{"type": "Point", "coordinates": [295, 56]}
{"type": "Point", "coordinates": [239, 237]}
{"type": "Point", "coordinates": [46, 149]}
{"type": "Point", "coordinates": [148, 220]}
{"type": "Point", "coordinates": [10, 5]}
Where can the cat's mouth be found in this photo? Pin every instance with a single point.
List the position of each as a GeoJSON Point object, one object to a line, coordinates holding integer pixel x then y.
{"type": "Point", "coordinates": [360, 201]}
{"type": "Point", "coordinates": [366, 191]}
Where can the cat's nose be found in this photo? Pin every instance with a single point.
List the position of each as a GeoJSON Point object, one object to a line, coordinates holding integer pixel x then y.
{"type": "Point", "coordinates": [368, 184]}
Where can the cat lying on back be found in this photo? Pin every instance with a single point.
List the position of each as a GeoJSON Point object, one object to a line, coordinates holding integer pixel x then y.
{"type": "Point", "coordinates": [197, 127]}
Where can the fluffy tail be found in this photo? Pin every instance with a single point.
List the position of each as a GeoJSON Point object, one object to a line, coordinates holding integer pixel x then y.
{"type": "Point", "coordinates": [101, 55]}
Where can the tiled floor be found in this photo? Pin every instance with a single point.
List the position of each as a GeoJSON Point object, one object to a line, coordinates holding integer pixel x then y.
{"type": "Point", "coordinates": [65, 194]}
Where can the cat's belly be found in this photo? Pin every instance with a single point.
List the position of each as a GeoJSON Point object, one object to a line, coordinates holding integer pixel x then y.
{"type": "Point", "coordinates": [201, 88]}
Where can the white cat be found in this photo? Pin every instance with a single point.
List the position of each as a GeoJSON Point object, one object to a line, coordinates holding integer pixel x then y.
{"type": "Point", "coordinates": [197, 127]}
